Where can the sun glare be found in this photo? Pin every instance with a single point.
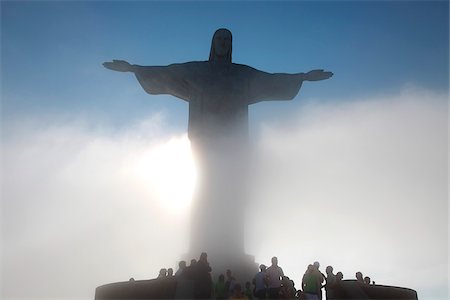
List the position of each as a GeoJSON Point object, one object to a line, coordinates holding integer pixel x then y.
{"type": "Point", "coordinates": [168, 171]}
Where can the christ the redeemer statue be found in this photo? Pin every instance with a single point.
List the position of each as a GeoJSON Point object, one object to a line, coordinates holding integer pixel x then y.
{"type": "Point", "coordinates": [219, 93]}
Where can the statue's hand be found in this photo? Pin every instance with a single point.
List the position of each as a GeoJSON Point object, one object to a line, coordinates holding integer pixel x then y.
{"type": "Point", "coordinates": [316, 75]}
{"type": "Point", "coordinates": [118, 65]}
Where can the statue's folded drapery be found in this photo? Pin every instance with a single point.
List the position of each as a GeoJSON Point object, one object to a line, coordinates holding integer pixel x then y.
{"type": "Point", "coordinates": [218, 93]}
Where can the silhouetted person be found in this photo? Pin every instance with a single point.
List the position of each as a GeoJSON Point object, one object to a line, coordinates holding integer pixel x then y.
{"type": "Point", "coordinates": [237, 292]}
{"type": "Point", "coordinates": [248, 290]}
{"type": "Point", "coordinates": [337, 290]}
{"type": "Point", "coordinates": [161, 290]}
{"type": "Point", "coordinates": [261, 280]}
{"type": "Point", "coordinates": [219, 288]}
{"type": "Point", "coordinates": [359, 277]}
{"type": "Point", "coordinates": [190, 270]}
{"type": "Point", "coordinates": [202, 278]}
{"type": "Point", "coordinates": [367, 280]}
{"type": "Point", "coordinates": [181, 268]}
{"type": "Point", "coordinates": [330, 281]}
{"type": "Point", "coordinates": [274, 274]}
{"type": "Point", "coordinates": [229, 283]}
{"type": "Point", "coordinates": [294, 289]}
{"type": "Point", "coordinates": [171, 284]}
{"type": "Point", "coordinates": [311, 284]}
{"type": "Point", "coordinates": [287, 288]}
{"type": "Point", "coordinates": [320, 276]}
{"type": "Point", "coordinates": [184, 280]}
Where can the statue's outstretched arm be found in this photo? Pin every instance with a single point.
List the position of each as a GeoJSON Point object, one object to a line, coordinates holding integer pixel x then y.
{"type": "Point", "coordinates": [157, 80]}
{"type": "Point", "coordinates": [120, 66]}
{"type": "Point", "coordinates": [280, 86]}
{"type": "Point", "coordinates": [316, 75]}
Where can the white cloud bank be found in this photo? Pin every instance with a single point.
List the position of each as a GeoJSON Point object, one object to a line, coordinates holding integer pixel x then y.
{"type": "Point", "coordinates": [361, 186]}
{"type": "Point", "coordinates": [83, 206]}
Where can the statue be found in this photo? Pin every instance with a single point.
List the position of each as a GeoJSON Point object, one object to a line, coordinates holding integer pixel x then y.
{"type": "Point", "coordinates": [219, 93]}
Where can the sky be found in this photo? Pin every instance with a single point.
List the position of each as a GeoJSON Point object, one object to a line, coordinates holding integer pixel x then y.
{"type": "Point", "coordinates": [353, 172]}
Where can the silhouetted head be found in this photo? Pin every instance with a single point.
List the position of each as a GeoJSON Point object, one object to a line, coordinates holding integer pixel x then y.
{"type": "Point", "coordinates": [203, 257]}
{"type": "Point", "coordinates": [274, 261]}
{"type": "Point", "coordinates": [182, 265]}
{"type": "Point", "coordinates": [359, 276]}
{"type": "Point", "coordinates": [221, 278]}
{"type": "Point", "coordinates": [221, 46]}
{"type": "Point", "coordinates": [162, 272]}
{"type": "Point", "coordinates": [228, 273]}
{"type": "Point", "coordinates": [193, 262]}
{"type": "Point", "coordinates": [169, 272]}
{"type": "Point", "coordinates": [367, 280]}
{"type": "Point", "coordinates": [316, 265]}
{"type": "Point", "coordinates": [339, 276]}
{"type": "Point", "coordinates": [329, 270]}
{"type": "Point", "coordinates": [262, 267]}
{"type": "Point", "coordinates": [310, 268]}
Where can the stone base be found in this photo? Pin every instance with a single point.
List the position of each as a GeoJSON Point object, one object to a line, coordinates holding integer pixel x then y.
{"type": "Point", "coordinates": [171, 288]}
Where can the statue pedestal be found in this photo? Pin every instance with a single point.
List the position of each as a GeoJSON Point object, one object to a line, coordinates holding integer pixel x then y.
{"type": "Point", "coordinates": [243, 266]}
{"type": "Point", "coordinates": [219, 204]}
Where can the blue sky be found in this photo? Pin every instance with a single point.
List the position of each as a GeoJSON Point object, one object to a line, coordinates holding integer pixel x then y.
{"type": "Point", "coordinates": [367, 149]}
{"type": "Point", "coordinates": [52, 51]}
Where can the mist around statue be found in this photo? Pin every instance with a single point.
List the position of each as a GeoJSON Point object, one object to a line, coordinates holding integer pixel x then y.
{"type": "Point", "coordinates": [219, 93]}
{"type": "Point", "coordinates": [100, 179]}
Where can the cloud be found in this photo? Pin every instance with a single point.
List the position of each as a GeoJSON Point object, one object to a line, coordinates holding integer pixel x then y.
{"type": "Point", "coordinates": [360, 185]}
{"type": "Point", "coordinates": [82, 206]}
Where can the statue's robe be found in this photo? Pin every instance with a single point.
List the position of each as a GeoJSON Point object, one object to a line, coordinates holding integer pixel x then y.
{"type": "Point", "coordinates": [218, 95]}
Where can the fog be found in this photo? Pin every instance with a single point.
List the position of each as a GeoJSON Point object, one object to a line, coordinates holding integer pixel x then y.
{"type": "Point", "coordinates": [360, 185]}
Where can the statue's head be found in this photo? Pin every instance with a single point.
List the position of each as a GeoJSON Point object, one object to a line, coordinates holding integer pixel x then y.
{"type": "Point", "coordinates": [221, 45]}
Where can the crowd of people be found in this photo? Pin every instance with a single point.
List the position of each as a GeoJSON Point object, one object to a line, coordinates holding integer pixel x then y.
{"type": "Point", "coordinates": [269, 283]}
